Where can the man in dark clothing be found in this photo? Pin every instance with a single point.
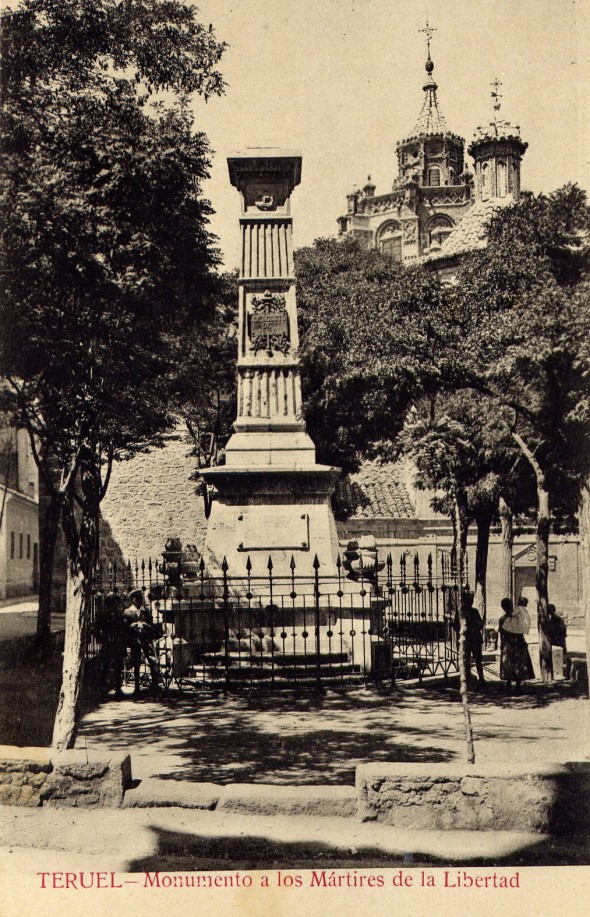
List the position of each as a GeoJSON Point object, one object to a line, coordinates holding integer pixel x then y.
{"type": "Point", "coordinates": [473, 636]}
{"type": "Point", "coordinates": [557, 628]}
{"type": "Point", "coordinates": [110, 630]}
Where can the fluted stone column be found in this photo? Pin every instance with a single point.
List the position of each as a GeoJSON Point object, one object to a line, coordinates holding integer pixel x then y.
{"type": "Point", "coordinates": [270, 497]}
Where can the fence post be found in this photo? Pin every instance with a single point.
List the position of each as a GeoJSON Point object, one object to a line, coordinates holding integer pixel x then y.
{"type": "Point", "coordinates": [271, 622]}
{"type": "Point", "coordinates": [224, 569]}
{"type": "Point", "coordinates": [316, 590]}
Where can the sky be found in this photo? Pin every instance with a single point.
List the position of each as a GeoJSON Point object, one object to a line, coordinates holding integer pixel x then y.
{"type": "Point", "coordinates": [340, 81]}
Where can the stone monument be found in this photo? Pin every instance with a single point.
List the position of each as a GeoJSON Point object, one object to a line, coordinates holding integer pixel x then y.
{"type": "Point", "coordinates": [270, 498]}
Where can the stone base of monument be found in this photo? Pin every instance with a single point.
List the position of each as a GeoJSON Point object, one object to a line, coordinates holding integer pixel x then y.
{"type": "Point", "coordinates": [283, 513]}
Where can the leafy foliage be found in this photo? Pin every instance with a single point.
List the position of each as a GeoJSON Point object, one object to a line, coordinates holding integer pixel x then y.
{"type": "Point", "coordinates": [107, 254]}
{"type": "Point", "coordinates": [206, 383]}
{"type": "Point", "coordinates": [105, 234]}
{"type": "Point", "coordinates": [371, 334]}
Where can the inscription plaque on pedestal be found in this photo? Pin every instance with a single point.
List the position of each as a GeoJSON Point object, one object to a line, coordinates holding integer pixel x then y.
{"type": "Point", "coordinates": [257, 529]}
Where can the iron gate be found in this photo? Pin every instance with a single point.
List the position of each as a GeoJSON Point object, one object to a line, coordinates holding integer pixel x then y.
{"type": "Point", "coordinates": [304, 630]}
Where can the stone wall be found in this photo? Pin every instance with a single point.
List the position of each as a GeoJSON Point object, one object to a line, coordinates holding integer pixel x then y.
{"type": "Point", "coordinates": [151, 498]}
{"type": "Point", "coordinates": [23, 774]}
{"type": "Point", "coordinates": [39, 776]}
{"type": "Point", "coordinates": [553, 799]}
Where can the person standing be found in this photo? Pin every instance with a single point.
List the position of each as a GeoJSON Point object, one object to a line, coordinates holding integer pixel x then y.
{"type": "Point", "coordinates": [515, 661]}
{"type": "Point", "coordinates": [557, 628]}
{"type": "Point", "coordinates": [110, 631]}
{"type": "Point", "coordinates": [473, 637]}
{"type": "Point", "coordinates": [139, 639]}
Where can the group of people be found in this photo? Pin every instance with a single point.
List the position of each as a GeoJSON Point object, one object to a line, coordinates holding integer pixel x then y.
{"type": "Point", "coordinates": [515, 661]}
{"type": "Point", "coordinates": [124, 626]}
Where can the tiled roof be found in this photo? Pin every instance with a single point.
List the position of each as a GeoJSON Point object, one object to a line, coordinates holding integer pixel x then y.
{"type": "Point", "coordinates": [431, 119]}
{"type": "Point", "coordinates": [376, 491]}
{"type": "Point", "coordinates": [471, 233]}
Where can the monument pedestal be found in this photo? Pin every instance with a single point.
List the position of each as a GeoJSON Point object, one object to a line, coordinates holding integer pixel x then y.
{"type": "Point", "coordinates": [277, 511]}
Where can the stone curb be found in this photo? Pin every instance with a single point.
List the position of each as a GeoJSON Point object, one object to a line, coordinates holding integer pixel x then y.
{"type": "Point", "coordinates": [157, 793]}
{"type": "Point", "coordinates": [267, 799]}
{"type": "Point", "coordinates": [549, 798]}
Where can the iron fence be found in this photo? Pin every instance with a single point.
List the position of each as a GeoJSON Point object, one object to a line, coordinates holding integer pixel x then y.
{"type": "Point", "coordinates": [268, 631]}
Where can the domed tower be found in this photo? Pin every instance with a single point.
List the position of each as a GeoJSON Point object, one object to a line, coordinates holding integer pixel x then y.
{"type": "Point", "coordinates": [429, 196]}
{"type": "Point", "coordinates": [432, 156]}
{"type": "Point", "coordinates": [497, 150]}
{"type": "Point", "coordinates": [430, 173]}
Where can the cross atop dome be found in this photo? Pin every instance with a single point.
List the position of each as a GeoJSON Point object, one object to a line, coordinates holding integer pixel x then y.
{"type": "Point", "coordinates": [428, 30]}
{"type": "Point", "coordinates": [496, 94]}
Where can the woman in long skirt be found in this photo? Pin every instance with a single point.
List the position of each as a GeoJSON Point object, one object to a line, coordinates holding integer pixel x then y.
{"type": "Point", "coordinates": [515, 661]}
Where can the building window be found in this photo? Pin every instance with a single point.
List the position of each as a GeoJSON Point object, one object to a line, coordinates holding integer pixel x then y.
{"type": "Point", "coordinates": [451, 176]}
{"type": "Point", "coordinates": [438, 229]}
{"type": "Point", "coordinates": [502, 185]}
{"type": "Point", "coordinates": [485, 181]}
{"type": "Point", "coordinates": [12, 545]}
{"type": "Point", "coordinates": [389, 240]}
{"type": "Point", "coordinates": [434, 177]}
{"type": "Point", "coordinates": [20, 546]}
{"type": "Point", "coordinates": [28, 547]}
{"type": "Point", "coordinates": [392, 247]}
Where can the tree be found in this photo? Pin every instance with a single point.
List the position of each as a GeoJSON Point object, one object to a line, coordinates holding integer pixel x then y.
{"type": "Point", "coordinates": [523, 331]}
{"type": "Point", "coordinates": [108, 256]}
{"type": "Point", "coordinates": [372, 332]}
{"type": "Point", "coordinates": [206, 382]}
{"type": "Point", "coordinates": [376, 339]}
{"type": "Point", "coordinates": [447, 459]}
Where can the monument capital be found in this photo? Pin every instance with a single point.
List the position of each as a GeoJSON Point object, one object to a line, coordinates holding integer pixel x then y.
{"type": "Point", "coordinates": [265, 176]}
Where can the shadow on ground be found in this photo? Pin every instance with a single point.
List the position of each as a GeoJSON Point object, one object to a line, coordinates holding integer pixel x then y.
{"type": "Point", "coordinates": [303, 739]}
{"type": "Point", "coordinates": [178, 851]}
{"type": "Point", "coordinates": [29, 691]}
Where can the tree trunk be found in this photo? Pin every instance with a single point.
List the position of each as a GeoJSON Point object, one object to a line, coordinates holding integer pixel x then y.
{"type": "Point", "coordinates": [506, 521]}
{"type": "Point", "coordinates": [541, 582]}
{"type": "Point", "coordinates": [51, 510]}
{"type": "Point", "coordinates": [585, 563]}
{"type": "Point", "coordinates": [82, 544]}
{"type": "Point", "coordinates": [542, 570]}
{"type": "Point", "coordinates": [463, 682]}
{"type": "Point", "coordinates": [484, 523]}
{"type": "Point", "coordinates": [66, 719]}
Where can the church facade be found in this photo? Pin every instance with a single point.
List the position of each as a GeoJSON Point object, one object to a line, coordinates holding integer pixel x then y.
{"type": "Point", "coordinates": [438, 206]}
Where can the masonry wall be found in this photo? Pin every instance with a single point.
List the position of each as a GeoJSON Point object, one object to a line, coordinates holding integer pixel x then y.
{"type": "Point", "coordinates": [151, 498]}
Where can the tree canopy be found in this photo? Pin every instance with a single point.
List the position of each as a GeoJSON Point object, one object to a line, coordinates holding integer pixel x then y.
{"type": "Point", "coordinates": [370, 333]}
{"type": "Point", "coordinates": [108, 258]}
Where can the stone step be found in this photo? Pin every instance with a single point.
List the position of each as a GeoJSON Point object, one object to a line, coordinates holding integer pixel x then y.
{"type": "Point", "coordinates": [278, 677]}
{"type": "Point", "coordinates": [277, 659]}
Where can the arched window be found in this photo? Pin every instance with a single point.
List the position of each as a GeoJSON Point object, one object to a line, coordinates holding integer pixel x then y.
{"type": "Point", "coordinates": [434, 177]}
{"type": "Point", "coordinates": [501, 179]}
{"type": "Point", "coordinates": [389, 240]}
{"type": "Point", "coordinates": [451, 176]}
{"type": "Point", "coordinates": [437, 229]}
